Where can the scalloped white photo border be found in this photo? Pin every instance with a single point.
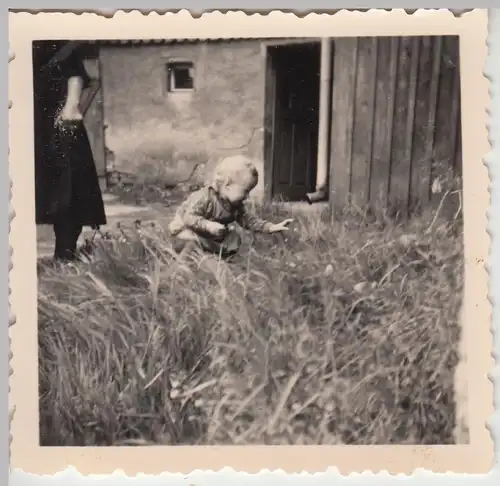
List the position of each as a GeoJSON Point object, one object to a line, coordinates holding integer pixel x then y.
{"type": "Point", "coordinates": [27, 456]}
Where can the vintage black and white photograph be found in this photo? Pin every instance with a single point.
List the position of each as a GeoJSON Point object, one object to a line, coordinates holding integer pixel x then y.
{"type": "Point", "coordinates": [248, 241]}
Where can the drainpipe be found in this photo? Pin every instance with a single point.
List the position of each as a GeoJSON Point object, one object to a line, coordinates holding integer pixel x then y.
{"type": "Point", "coordinates": [321, 192]}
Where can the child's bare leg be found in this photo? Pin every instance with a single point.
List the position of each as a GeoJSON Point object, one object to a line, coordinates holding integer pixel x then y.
{"type": "Point", "coordinates": [185, 242]}
{"type": "Point", "coordinates": [188, 240]}
{"type": "Point", "coordinates": [224, 248]}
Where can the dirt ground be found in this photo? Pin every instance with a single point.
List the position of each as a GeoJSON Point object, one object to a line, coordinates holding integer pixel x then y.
{"type": "Point", "coordinates": [117, 212]}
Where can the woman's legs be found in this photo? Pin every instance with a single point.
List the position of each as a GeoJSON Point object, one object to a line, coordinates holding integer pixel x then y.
{"type": "Point", "coordinates": [67, 233]}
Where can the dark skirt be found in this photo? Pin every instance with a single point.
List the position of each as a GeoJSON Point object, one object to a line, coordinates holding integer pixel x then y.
{"type": "Point", "coordinates": [66, 179]}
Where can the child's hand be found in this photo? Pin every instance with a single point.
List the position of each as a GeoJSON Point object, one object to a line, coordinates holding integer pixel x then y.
{"type": "Point", "coordinates": [279, 227]}
{"type": "Point", "coordinates": [216, 229]}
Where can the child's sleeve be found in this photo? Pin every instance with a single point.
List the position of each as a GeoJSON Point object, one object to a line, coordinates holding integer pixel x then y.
{"type": "Point", "coordinates": [248, 220]}
{"type": "Point", "coordinates": [196, 210]}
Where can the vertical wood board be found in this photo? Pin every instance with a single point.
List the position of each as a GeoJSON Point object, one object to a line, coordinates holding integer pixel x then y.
{"type": "Point", "coordinates": [345, 66]}
{"type": "Point", "coordinates": [388, 48]}
{"type": "Point", "coordinates": [363, 122]}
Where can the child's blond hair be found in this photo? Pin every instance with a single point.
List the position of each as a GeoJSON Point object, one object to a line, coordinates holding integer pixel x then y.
{"type": "Point", "coordinates": [237, 168]}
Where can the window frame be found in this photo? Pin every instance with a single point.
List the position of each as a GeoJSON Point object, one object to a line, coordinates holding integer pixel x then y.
{"type": "Point", "coordinates": [170, 66]}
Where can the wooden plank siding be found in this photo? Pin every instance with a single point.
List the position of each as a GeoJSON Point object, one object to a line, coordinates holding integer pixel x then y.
{"type": "Point", "coordinates": [446, 117]}
{"type": "Point", "coordinates": [343, 97]}
{"type": "Point", "coordinates": [364, 103]}
{"type": "Point", "coordinates": [399, 183]}
{"type": "Point", "coordinates": [387, 52]}
{"type": "Point", "coordinates": [425, 120]}
{"type": "Point", "coordinates": [395, 126]}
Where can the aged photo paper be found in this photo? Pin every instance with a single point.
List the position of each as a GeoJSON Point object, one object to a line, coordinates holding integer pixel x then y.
{"type": "Point", "coordinates": [250, 241]}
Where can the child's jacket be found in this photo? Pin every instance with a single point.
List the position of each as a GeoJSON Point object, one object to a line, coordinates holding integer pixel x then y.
{"type": "Point", "coordinates": [206, 205]}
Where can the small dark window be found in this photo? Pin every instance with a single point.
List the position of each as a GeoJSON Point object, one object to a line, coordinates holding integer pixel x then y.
{"type": "Point", "coordinates": [180, 76]}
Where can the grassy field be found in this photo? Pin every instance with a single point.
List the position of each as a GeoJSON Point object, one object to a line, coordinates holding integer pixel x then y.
{"type": "Point", "coordinates": [334, 333]}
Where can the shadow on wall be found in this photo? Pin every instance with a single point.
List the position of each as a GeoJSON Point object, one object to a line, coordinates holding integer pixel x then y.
{"type": "Point", "coordinates": [159, 154]}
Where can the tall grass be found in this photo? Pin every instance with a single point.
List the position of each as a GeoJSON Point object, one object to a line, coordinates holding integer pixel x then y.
{"type": "Point", "coordinates": [341, 332]}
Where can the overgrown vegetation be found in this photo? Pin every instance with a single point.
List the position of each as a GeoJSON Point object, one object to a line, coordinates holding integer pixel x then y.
{"type": "Point", "coordinates": [341, 332]}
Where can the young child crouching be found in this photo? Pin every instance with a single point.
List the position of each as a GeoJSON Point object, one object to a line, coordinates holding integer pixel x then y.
{"type": "Point", "coordinates": [205, 216]}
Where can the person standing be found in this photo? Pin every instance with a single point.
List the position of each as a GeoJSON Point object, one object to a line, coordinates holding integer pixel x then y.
{"type": "Point", "coordinates": [67, 191]}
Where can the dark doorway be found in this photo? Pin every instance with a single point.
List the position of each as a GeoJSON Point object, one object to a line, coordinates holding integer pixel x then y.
{"type": "Point", "coordinates": [293, 117]}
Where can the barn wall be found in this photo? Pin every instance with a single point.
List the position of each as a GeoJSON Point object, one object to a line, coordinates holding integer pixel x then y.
{"type": "Point", "coordinates": [395, 135]}
{"type": "Point", "coordinates": [173, 132]}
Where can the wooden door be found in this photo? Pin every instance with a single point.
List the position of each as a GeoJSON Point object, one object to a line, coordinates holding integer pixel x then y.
{"type": "Point", "coordinates": [93, 114]}
{"type": "Point", "coordinates": [296, 118]}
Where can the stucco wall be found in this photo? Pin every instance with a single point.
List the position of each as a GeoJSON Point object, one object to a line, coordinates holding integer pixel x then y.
{"type": "Point", "coordinates": [154, 132]}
